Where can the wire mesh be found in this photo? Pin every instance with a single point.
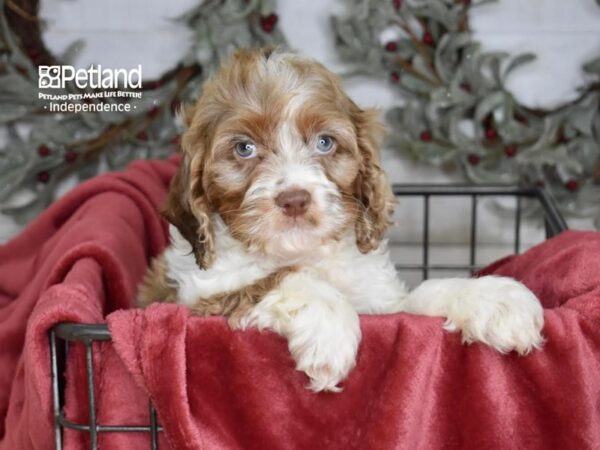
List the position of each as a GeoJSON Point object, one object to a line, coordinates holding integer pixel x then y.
{"type": "Point", "coordinates": [553, 220]}
{"type": "Point", "coordinates": [87, 335]}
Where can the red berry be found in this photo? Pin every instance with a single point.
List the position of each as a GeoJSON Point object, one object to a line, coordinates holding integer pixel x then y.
{"type": "Point", "coordinates": [33, 52]}
{"type": "Point", "coordinates": [425, 136]}
{"type": "Point", "coordinates": [391, 46]}
{"type": "Point", "coordinates": [43, 151]}
{"type": "Point", "coordinates": [466, 87]}
{"type": "Point", "coordinates": [572, 185]}
{"type": "Point", "coordinates": [395, 77]}
{"type": "Point", "coordinates": [397, 4]}
{"type": "Point", "coordinates": [22, 70]}
{"type": "Point", "coordinates": [491, 133]}
{"type": "Point", "coordinates": [153, 112]}
{"type": "Point", "coordinates": [473, 159]}
{"type": "Point", "coordinates": [427, 38]}
{"type": "Point", "coordinates": [267, 23]}
{"type": "Point", "coordinates": [266, 27]}
{"type": "Point", "coordinates": [510, 150]}
{"type": "Point", "coordinates": [142, 136]}
{"type": "Point", "coordinates": [70, 156]}
{"type": "Point", "coordinates": [35, 55]}
{"type": "Point", "coordinates": [153, 84]}
{"type": "Point", "coordinates": [43, 177]}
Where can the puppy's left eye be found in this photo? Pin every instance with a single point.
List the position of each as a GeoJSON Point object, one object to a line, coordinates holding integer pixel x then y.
{"type": "Point", "coordinates": [325, 144]}
{"type": "Point", "coordinates": [246, 150]}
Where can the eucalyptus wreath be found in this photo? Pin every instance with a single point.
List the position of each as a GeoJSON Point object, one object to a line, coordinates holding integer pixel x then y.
{"type": "Point", "coordinates": [43, 148]}
{"type": "Point", "coordinates": [457, 111]}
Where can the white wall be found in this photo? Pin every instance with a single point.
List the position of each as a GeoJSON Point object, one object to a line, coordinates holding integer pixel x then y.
{"type": "Point", "coordinates": [124, 33]}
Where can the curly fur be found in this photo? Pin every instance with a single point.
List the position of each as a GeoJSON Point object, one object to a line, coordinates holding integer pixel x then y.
{"type": "Point", "coordinates": [236, 252]}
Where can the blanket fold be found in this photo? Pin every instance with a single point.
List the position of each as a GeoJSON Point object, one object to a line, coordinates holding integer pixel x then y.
{"type": "Point", "coordinates": [78, 261]}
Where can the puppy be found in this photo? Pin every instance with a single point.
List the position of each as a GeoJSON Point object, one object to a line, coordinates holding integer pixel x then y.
{"type": "Point", "coordinates": [278, 214]}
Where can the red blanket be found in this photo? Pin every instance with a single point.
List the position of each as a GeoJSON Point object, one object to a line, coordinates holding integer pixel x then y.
{"type": "Point", "coordinates": [415, 386]}
{"type": "Point", "coordinates": [80, 260]}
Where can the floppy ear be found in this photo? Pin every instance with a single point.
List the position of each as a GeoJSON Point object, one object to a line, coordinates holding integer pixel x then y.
{"type": "Point", "coordinates": [187, 207]}
{"type": "Point", "coordinates": [372, 189]}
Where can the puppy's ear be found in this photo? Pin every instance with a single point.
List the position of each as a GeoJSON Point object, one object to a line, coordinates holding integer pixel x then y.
{"type": "Point", "coordinates": [187, 206]}
{"type": "Point", "coordinates": [372, 189]}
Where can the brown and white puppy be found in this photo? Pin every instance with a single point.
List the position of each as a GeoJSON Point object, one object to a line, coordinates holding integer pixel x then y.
{"type": "Point", "coordinates": [278, 213]}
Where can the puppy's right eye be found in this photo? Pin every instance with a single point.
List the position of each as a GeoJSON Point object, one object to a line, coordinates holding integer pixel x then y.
{"type": "Point", "coordinates": [245, 150]}
{"type": "Point", "coordinates": [325, 144]}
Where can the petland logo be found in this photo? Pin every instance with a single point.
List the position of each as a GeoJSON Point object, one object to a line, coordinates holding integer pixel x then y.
{"type": "Point", "coordinates": [99, 90]}
{"type": "Point", "coordinates": [57, 77]}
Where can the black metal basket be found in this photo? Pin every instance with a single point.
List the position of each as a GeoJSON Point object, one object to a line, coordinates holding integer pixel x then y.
{"type": "Point", "coordinates": [62, 335]}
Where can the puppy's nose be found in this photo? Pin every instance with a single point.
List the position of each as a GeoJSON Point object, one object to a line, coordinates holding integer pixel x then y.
{"type": "Point", "coordinates": [294, 203]}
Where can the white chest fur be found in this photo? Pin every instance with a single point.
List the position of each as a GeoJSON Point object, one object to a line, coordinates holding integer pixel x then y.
{"type": "Point", "coordinates": [232, 269]}
{"type": "Point", "coordinates": [368, 282]}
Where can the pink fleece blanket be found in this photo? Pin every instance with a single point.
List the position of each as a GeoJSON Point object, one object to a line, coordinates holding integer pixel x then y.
{"type": "Point", "coordinates": [415, 386]}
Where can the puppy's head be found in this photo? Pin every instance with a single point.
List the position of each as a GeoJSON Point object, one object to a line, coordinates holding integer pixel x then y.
{"type": "Point", "coordinates": [277, 149]}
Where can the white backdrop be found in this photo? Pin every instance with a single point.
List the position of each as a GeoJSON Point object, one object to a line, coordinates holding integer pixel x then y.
{"type": "Point", "coordinates": [125, 33]}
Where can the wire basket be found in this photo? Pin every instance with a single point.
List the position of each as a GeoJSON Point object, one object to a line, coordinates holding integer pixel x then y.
{"type": "Point", "coordinates": [64, 335]}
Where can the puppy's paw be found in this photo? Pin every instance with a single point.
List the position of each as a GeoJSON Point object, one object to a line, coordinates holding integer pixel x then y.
{"type": "Point", "coordinates": [326, 354]}
{"type": "Point", "coordinates": [321, 327]}
{"type": "Point", "coordinates": [499, 312]}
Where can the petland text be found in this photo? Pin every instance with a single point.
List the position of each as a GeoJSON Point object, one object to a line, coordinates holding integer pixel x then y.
{"type": "Point", "coordinates": [57, 77]}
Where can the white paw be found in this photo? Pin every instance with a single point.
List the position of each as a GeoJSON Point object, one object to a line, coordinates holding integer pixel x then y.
{"type": "Point", "coordinates": [326, 350]}
{"type": "Point", "coordinates": [321, 327]}
{"type": "Point", "coordinates": [499, 312]}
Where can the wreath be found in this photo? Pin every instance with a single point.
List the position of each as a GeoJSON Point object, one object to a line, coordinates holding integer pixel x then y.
{"type": "Point", "coordinates": [458, 112]}
{"type": "Point", "coordinates": [43, 148]}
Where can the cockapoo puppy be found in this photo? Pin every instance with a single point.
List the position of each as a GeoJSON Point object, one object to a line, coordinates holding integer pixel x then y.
{"type": "Point", "coordinates": [278, 214]}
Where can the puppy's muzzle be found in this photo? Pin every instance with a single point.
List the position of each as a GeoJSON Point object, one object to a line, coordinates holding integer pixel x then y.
{"type": "Point", "coordinates": [294, 203]}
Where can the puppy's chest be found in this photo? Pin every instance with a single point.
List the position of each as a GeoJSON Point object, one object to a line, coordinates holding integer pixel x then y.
{"type": "Point", "coordinates": [234, 269]}
{"type": "Point", "coordinates": [347, 271]}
